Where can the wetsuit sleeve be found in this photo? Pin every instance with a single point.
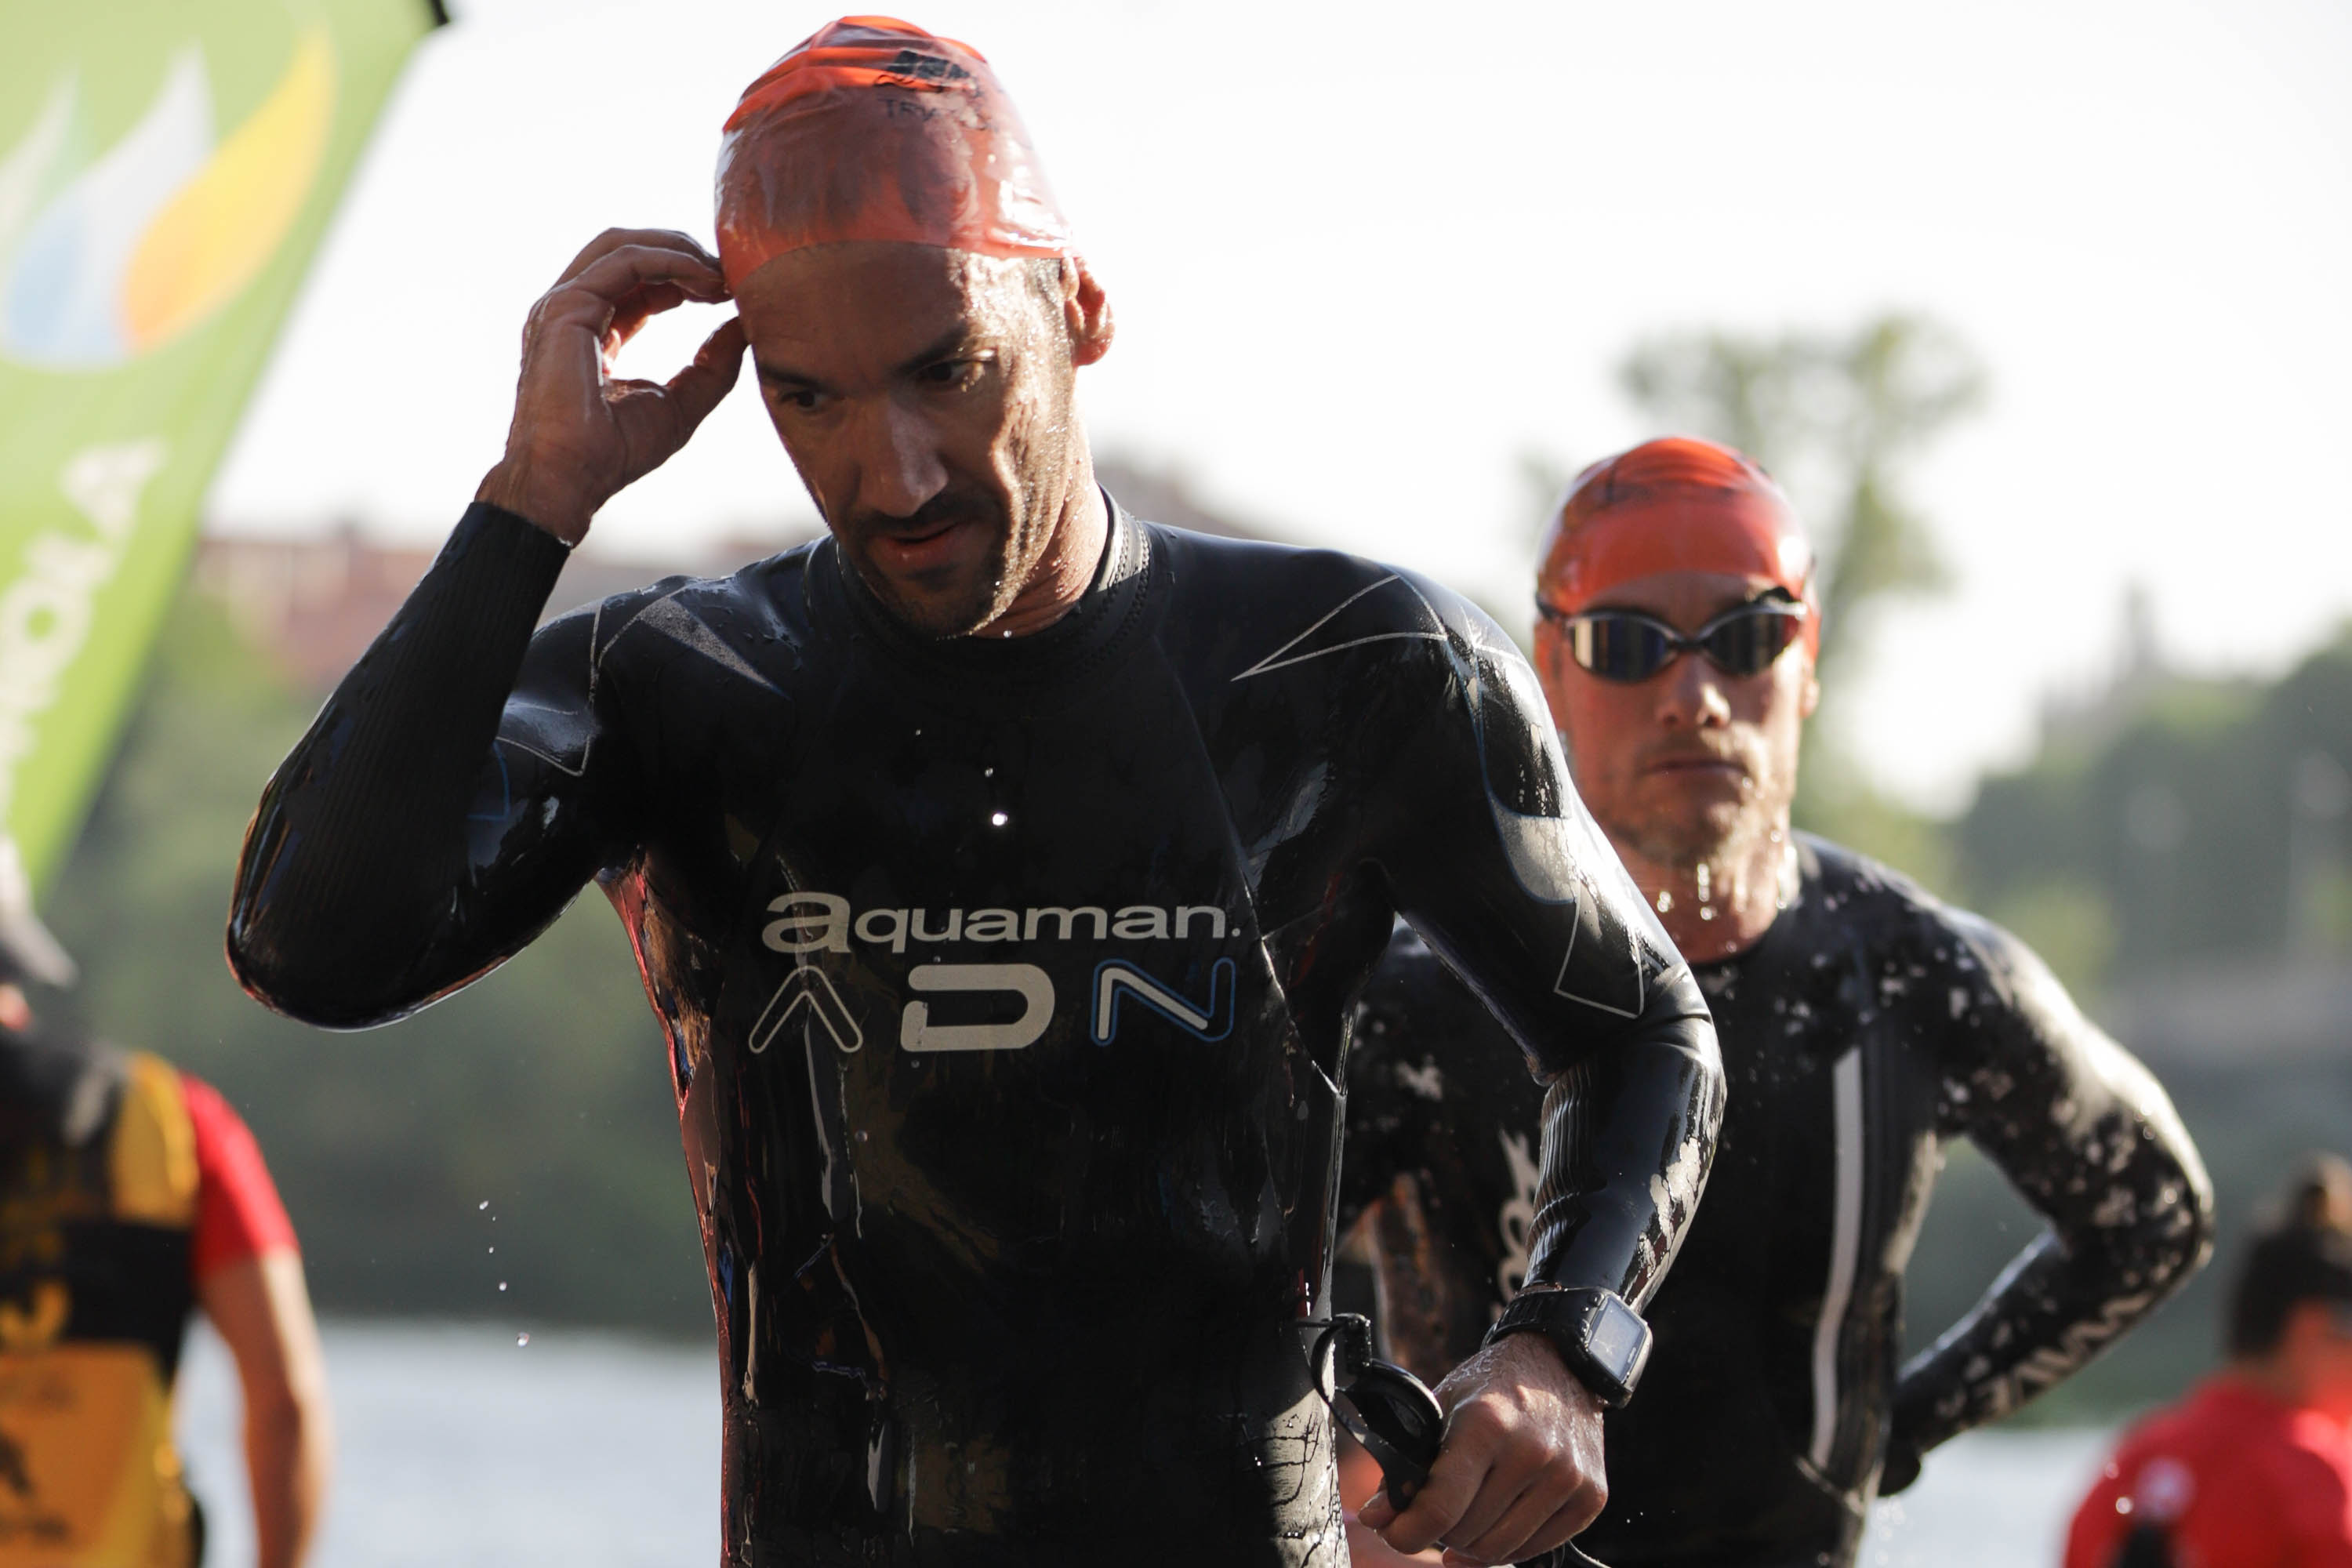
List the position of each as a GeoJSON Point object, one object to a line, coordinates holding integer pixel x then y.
{"type": "Point", "coordinates": [447, 802]}
{"type": "Point", "coordinates": [2089, 1139]}
{"type": "Point", "coordinates": [1506, 877]}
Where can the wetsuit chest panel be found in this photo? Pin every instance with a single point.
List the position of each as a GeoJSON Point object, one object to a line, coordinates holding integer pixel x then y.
{"type": "Point", "coordinates": [1000, 1078]}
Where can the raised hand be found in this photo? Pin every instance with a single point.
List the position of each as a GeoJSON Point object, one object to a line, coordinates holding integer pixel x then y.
{"type": "Point", "coordinates": [581, 435]}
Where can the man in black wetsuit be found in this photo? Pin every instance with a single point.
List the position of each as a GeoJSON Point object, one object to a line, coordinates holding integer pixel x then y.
{"type": "Point", "coordinates": [1000, 870]}
{"type": "Point", "coordinates": [1862, 1024]}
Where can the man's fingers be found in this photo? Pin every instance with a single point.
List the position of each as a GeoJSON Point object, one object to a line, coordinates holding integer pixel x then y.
{"type": "Point", "coordinates": [613, 239]}
{"type": "Point", "coordinates": [1438, 1507]}
{"type": "Point", "coordinates": [1554, 1494]}
{"type": "Point", "coordinates": [612, 281]}
{"type": "Point", "coordinates": [1485, 1529]}
{"type": "Point", "coordinates": [704, 384]}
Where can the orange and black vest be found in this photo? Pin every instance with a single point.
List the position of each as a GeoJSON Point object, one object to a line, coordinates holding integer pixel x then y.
{"type": "Point", "coordinates": [98, 1204]}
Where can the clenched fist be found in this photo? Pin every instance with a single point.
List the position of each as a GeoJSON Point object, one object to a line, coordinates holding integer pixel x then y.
{"type": "Point", "coordinates": [1520, 1469]}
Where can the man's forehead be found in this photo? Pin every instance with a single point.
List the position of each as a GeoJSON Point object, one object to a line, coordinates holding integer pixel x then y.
{"type": "Point", "coordinates": [885, 298]}
{"type": "Point", "coordinates": [1685, 594]}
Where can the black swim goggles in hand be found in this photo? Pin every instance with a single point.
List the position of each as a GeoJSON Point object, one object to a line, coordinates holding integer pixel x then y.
{"type": "Point", "coordinates": [1627, 645]}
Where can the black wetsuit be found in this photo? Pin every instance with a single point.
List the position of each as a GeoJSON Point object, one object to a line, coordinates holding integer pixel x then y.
{"type": "Point", "coordinates": [1007, 986]}
{"type": "Point", "coordinates": [1869, 1024]}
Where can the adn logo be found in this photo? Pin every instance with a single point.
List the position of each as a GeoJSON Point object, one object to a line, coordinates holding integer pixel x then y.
{"type": "Point", "coordinates": [809, 998]}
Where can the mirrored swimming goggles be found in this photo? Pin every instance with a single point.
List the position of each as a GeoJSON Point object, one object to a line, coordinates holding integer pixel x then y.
{"type": "Point", "coordinates": [1628, 645]}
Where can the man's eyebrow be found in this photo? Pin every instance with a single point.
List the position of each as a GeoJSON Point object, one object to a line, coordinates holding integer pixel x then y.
{"type": "Point", "coordinates": [777, 375]}
{"type": "Point", "coordinates": [957, 340]}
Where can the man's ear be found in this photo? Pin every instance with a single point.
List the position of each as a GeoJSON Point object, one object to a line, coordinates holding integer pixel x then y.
{"type": "Point", "coordinates": [1086, 311]}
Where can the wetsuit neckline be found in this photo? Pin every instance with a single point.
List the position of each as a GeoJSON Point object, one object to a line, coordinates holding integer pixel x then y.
{"type": "Point", "coordinates": [965, 666]}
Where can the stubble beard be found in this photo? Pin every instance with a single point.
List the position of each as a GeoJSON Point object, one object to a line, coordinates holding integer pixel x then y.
{"type": "Point", "coordinates": [1722, 835]}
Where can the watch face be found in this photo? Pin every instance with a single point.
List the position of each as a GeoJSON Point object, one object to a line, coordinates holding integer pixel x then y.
{"type": "Point", "coordinates": [1616, 1339]}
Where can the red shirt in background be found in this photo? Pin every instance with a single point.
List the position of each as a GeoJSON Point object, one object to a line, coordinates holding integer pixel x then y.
{"type": "Point", "coordinates": [238, 1214]}
{"type": "Point", "coordinates": [2237, 1478]}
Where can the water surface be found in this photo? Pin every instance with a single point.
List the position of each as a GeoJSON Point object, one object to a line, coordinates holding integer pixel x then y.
{"type": "Point", "coordinates": [459, 1447]}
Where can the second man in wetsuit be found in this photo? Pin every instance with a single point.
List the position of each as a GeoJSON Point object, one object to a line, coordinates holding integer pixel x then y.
{"type": "Point", "coordinates": [1001, 869]}
{"type": "Point", "coordinates": [1862, 1024]}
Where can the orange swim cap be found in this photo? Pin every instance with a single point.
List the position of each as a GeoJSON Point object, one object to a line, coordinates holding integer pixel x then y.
{"type": "Point", "coordinates": [1678, 504]}
{"type": "Point", "coordinates": [873, 129]}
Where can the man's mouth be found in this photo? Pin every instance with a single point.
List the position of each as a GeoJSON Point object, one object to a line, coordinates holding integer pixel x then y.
{"type": "Point", "coordinates": [920, 547]}
{"type": "Point", "coordinates": [1692, 762]}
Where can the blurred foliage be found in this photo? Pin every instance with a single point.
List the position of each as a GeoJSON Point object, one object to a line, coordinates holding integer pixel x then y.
{"type": "Point", "coordinates": [543, 1089]}
{"type": "Point", "coordinates": [2201, 818]}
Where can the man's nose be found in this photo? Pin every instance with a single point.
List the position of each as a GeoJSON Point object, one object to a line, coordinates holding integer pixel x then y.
{"type": "Point", "coordinates": [899, 461]}
{"type": "Point", "coordinates": [1690, 695]}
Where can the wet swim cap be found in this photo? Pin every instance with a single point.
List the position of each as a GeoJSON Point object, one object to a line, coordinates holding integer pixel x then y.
{"type": "Point", "coordinates": [1678, 504]}
{"type": "Point", "coordinates": [873, 129]}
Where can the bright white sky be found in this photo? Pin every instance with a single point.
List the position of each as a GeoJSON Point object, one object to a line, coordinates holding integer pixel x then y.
{"type": "Point", "coordinates": [1365, 255]}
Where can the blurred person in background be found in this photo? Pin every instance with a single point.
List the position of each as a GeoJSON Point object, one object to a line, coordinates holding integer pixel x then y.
{"type": "Point", "coordinates": [1862, 1024]}
{"type": "Point", "coordinates": [132, 1194]}
{"type": "Point", "coordinates": [1000, 869]}
{"type": "Point", "coordinates": [2253, 1469]}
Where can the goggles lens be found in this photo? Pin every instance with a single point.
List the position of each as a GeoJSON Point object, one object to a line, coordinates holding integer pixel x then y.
{"type": "Point", "coordinates": [1627, 645]}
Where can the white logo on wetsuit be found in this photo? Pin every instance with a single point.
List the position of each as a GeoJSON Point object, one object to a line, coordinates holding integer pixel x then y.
{"type": "Point", "coordinates": [822, 922]}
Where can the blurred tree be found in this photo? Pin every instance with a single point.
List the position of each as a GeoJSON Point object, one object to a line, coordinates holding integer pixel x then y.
{"type": "Point", "coordinates": [2207, 816]}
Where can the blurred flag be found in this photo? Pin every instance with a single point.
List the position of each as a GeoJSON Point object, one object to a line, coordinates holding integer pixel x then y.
{"type": "Point", "coordinates": [166, 170]}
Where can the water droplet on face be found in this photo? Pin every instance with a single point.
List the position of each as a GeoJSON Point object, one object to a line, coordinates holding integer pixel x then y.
{"type": "Point", "coordinates": [997, 818]}
{"type": "Point", "coordinates": [521, 1340]}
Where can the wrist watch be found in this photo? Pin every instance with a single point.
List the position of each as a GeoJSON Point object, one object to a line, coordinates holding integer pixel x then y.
{"type": "Point", "coordinates": [1604, 1340]}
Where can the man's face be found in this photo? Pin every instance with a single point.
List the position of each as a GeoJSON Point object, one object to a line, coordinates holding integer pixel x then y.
{"type": "Point", "coordinates": [925, 395]}
{"type": "Point", "coordinates": [1685, 766]}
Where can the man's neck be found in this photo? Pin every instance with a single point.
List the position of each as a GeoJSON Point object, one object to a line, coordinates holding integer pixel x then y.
{"type": "Point", "coordinates": [1066, 570]}
{"type": "Point", "coordinates": [1724, 903]}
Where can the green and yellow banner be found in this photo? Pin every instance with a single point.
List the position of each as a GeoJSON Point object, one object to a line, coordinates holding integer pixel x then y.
{"type": "Point", "coordinates": [166, 170]}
